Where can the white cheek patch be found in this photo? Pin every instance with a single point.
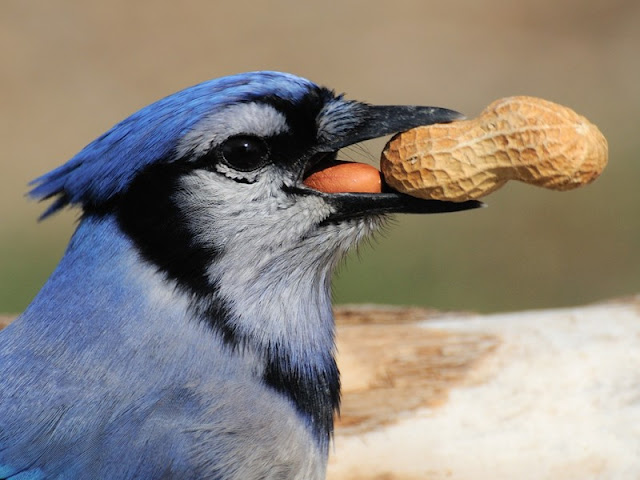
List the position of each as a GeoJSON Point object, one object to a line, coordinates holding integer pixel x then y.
{"type": "Point", "coordinates": [253, 118]}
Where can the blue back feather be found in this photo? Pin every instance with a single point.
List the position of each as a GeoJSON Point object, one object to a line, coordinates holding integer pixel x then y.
{"type": "Point", "coordinates": [107, 165]}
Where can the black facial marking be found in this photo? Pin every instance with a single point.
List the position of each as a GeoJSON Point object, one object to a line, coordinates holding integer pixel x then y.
{"type": "Point", "coordinates": [150, 215]}
{"type": "Point", "coordinates": [301, 117]}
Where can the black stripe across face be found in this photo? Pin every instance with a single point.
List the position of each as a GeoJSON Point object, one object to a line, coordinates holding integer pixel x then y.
{"type": "Point", "coordinates": [150, 215]}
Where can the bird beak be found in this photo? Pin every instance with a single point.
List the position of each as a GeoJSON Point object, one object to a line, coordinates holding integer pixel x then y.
{"type": "Point", "coordinates": [374, 121]}
{"type": "Point", "coordinates": [359, 122]}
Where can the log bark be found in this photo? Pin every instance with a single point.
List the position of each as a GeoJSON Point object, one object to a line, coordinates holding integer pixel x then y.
{"type": "Point", "coordinates": [530, 395]}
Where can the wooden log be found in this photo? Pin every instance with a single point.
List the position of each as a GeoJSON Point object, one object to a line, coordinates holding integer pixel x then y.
{"type": "Point", "coordinates": [549, 394]}
{"type": "Point", "coordinates": [530, 395]}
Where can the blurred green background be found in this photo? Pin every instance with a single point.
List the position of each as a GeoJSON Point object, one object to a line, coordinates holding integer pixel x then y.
{"type": "Point", "coordinates": [71, 69]}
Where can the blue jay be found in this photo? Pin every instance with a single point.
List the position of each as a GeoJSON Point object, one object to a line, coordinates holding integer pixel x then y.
{"type": "Point", "coordinates": [188, 331]}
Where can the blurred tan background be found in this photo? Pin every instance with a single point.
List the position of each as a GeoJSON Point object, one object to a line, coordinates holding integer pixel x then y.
{"type": "Point", "coordinates": [71, 69]}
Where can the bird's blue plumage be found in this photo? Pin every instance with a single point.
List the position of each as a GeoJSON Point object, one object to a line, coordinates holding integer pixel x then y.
{"type": "Point", "coordinates": [188, 331]}
{"type": "Point", "coordinates": [119, 368]}
{"type": "Point", "coordinates": [35, 474]}
{"type": "Point", "coordinates": [120, 384]}
{"type": "Point", "coordinates": [108, 164]}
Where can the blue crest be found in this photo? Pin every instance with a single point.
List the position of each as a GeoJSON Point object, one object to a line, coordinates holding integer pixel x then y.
{"type": "Point", "coordinates": [107, 165]}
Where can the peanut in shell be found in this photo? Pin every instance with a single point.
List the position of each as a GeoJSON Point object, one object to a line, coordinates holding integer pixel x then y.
{"type": "Point", "coordinates": [516, 138]}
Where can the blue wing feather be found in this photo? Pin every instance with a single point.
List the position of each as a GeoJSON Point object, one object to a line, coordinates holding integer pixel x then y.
{"type": "Point", "coordinates": [6, 474]}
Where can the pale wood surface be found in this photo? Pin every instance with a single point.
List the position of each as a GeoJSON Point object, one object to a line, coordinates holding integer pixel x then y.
{"type": "Point", "coordinates": [549, 394]}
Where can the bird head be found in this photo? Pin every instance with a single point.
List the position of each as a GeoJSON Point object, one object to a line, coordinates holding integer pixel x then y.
{"type": "Point", "coordinates": [209, 185]}
{"type": "Point", "coordinates": [221, 166]}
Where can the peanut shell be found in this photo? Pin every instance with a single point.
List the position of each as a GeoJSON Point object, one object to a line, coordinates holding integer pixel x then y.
{"type": "Point", "coordinates": [516, 138]}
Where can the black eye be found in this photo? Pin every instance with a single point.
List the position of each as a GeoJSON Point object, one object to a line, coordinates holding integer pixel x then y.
{"type": "Point", "coordinates": [244, 152]}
